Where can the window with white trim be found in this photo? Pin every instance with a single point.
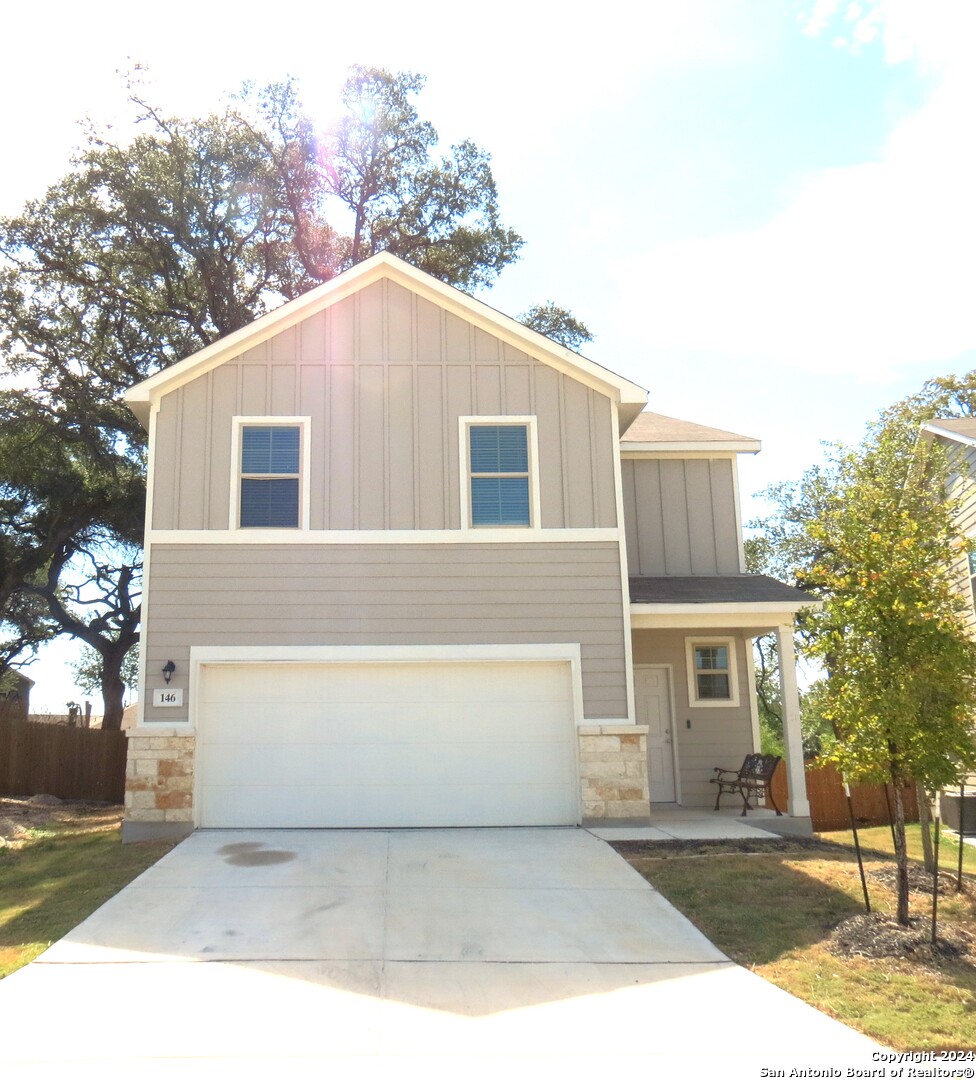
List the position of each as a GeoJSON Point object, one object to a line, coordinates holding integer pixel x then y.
{"type": "Point", "coordinates": [712, 677]}
{"type": "Point", "coordinates": [972, 576]}
{"type": "Point", "coordinates": [270, 495]}
{"type": "Point", "coordinates": [500, 482]}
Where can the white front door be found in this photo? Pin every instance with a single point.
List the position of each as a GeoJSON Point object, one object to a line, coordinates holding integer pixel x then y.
{"type": "Point", "coordinates": [653, 695]}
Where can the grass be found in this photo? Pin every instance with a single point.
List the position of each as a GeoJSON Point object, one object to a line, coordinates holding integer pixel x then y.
{"type": "Point", "coordinates": [774, 912]}
{"type": "Point", "coordinates": [56, 876]}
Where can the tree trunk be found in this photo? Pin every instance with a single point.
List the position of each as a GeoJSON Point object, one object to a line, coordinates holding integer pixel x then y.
{"type": "Point", "coordinates": [113, 691]}
{"type": "Point", "coordinates": [901, 854]}
{"type": "Point", "coordinates": [925, 820]}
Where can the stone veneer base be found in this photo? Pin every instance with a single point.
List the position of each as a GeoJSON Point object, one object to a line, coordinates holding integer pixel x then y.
{"type": "Point", "coordinates": [159, 780]}
{"type": "Point", "coordinates": [133, 832]}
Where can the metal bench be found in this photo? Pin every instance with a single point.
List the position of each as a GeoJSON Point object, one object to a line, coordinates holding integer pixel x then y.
{"type": "Point", "coordinates": [752, 779]}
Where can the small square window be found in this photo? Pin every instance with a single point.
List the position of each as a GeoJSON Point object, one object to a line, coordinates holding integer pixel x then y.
{"type": "Point", "coordinates": [711, 672]}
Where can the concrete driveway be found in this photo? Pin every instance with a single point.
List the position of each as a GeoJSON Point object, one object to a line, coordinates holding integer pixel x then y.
{"type": "Point", "coordinates": [467, 951]}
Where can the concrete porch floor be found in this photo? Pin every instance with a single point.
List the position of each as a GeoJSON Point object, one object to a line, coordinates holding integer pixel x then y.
{"type": "Point", "coordinates": [671, 822]}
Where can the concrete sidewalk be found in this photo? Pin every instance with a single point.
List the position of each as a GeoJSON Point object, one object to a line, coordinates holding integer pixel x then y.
{"type": "Point", "coordinates": [461, 951]}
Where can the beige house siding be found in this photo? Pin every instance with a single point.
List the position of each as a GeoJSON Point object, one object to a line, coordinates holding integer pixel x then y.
{"type": "Point", "coordinates": [389, 594]}
{"type": "Point", "coordinates": [384, 376]}
{"type": "Point", "coordinates": [705, 737]}
{"type": "Point", "coordinates": [962, 488]}
{"type": "Point", "coordinates": [680, 516]}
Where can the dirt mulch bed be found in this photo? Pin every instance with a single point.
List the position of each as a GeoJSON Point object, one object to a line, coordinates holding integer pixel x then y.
{"type": "Point", "coordinates": [20, 816]}
{"type": "Point", "coordinates": [879, 937]}
{"type": "Point", "coordinates": [919, 879]}
{"type": "Point", "coordinates": [670, 849]}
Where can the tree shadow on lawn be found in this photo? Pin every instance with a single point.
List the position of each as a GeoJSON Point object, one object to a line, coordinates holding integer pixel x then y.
{"type": "Point", "coordinates": [53, 883]}
{"type": "Point", "coordinates": [756, 907]}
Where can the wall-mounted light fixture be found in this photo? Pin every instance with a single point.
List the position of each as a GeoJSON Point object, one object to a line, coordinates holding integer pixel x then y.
{"type": "Point", "coordinates": [168, 668]}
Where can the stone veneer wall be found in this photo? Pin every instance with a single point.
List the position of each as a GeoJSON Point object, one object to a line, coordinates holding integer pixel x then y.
{"type": "Point", "coordinates": [158, 786]}
{"type": "Point", "coordinates": [159, 779]}
{"type": "Point", "coordinates": [613, 772]}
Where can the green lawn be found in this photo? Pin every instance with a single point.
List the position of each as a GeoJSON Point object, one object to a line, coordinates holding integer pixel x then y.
{"type": "Point", "coordinates": [56, 876]}
{"type": "Point", "coordinates": [773, 912]}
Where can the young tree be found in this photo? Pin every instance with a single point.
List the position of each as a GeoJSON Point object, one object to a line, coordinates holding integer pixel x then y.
{"type": "Point", "coordinates": [873, 536]}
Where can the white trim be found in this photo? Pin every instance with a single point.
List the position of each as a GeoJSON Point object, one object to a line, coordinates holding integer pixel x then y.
{"type": "Point", "coordinates": [304, 424]}
{"type": "Point", "coordinates": [719, 448]}
{"type": "Point", "coordinates": [704, 617]}
{"type": "Point", "coordinates": [618, 485]}
{"type": "Point", "coordinates": [675, 764]}
{"type": "Point", "coordinates": [384, 265]}
{"type": "Point", "coordinates": [383, 536]}
{"type": "Point", "coordinates": [694, 701]}
{"type": "Point", "coordinates": [203, 655]}
{"type": "Point", "coordinates": [146, 557]}
{"type": "Point", "coordinates": [933, 428]}
{"type": "Point", "coordinates": [465, 423]}
{"type": "Point", "coordinates": [753, 697]}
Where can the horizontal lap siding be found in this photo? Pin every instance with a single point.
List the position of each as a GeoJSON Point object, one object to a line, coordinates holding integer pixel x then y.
{"type": "Point", "coordinates": [716, 737]}
{"type": "Point", "coordinates": [390, 594]}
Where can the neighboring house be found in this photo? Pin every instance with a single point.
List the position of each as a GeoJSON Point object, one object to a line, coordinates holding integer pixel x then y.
{"type": "Point", "coordinates": [958, 436]}
{"type": "Point", "coordinates": [410, 563]}
{"type": "Point", "coordinates": [15, 688]}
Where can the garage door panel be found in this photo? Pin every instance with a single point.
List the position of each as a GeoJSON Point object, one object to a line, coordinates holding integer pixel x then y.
{"type": "Point", "coordinates": [387, 744]}
{"type": "Point", "coordinates": [385, 764]}
{"type": "Point", "coordinates": [439, 725]}
{"type": "Point", "coordinates": [388, 682]}
{"type": "Point", "coordinates": [345, 807]}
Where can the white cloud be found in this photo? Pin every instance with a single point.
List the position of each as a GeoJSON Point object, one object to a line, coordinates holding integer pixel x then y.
{"type": "Point", "coordinates": [869, 269]}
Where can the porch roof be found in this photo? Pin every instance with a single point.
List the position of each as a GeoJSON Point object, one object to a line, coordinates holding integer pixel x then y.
{"type": "Point", "coordinates": [716, 589]}
{"type": "Point", "coordinates": [748, 601]}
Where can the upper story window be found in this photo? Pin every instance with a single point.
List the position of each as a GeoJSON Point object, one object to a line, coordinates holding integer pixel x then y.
{"type": "Point", "coordinates": [711, 672]}
{"type": "Point", "coordinates": [501, 481]}
{"type": "Point", "coordinates": [972, 575]}
{"type": "Point", "coordinates": [271, 486]}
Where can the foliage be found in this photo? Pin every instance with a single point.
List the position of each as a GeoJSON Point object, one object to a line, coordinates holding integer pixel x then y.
{"type": "Point", "coordinates": [556, 323]}
{"type": "Point", "coordinates": [873, 533]}
{"type": "Point", "coordinates": [87, 670]}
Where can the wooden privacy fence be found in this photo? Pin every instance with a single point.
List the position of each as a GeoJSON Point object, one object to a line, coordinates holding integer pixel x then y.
{"type": "Point", "coordinates": [828, 803]}
{"type": "Point", "coordinates": [70, 762]}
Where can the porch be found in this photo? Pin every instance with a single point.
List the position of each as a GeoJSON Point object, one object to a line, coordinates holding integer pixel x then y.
{"type": "Point", "coordinates": [695, 823]}
{"type": "Point", "coordinates": [694, 686]}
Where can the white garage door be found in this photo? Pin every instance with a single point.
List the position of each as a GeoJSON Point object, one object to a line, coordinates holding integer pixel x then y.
{"type": "Point", "coordinates": [386, 745]}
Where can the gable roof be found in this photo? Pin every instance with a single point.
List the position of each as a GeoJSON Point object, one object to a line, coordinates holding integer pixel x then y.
{"type": "Point", "coordinates": [653, 431]}
{"type": "Point", "coordinates": [630, 397]}
{"type": "Point", "coordinates": [961, 429]}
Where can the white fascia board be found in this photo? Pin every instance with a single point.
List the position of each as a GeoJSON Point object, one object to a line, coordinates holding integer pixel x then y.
{"type": "Point", "coordinates": [933, 428]}
{"type": "Point", "coordinates": [757, 617]}
{"type": "Point", "coordinates": [312, 537]}
{"type": "Point", "coordinates": [358, 277]}
{"type": "Point", "coordinates": [634, 449]}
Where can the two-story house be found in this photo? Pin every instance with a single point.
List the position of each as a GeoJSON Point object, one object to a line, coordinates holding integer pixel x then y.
{"type": "Point", "coordinates": [410, 563]}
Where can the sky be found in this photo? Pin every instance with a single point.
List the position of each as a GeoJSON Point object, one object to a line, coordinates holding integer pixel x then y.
{"type": "Point", "coordinates": [763, 211]}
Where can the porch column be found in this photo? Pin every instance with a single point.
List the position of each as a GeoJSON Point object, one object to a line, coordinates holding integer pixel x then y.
{"type": "Point", "coordinates": [799, 805]}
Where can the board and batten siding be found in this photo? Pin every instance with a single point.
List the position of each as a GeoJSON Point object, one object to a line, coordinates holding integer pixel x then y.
{"type": "Point", "coordinates": [389, 594]}
{"type": "Point", "coordinates": [679, 516]}
{"type": "Point", "coordinates": [706, 738]}
{"type": "Point", "coordinates": [962, 488]}
{"type": "Point", "coordinates": [384, 376]}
